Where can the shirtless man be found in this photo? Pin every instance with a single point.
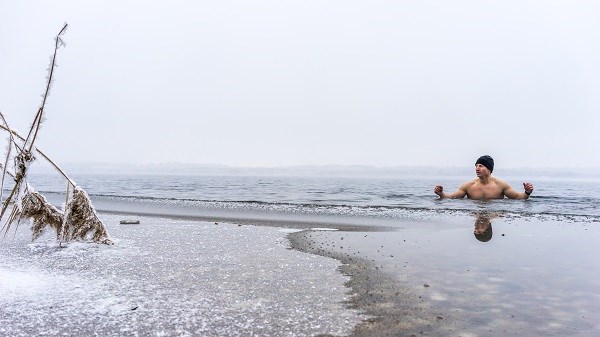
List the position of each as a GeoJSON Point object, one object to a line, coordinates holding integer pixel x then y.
{"type": "Point", "coordinates": [485, 186]}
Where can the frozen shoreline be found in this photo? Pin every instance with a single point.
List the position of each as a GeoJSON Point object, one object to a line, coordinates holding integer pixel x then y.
{"type": "Point", "coordinates": [184, 275]}
{"type": "Point", "coordinates": [171, 277]}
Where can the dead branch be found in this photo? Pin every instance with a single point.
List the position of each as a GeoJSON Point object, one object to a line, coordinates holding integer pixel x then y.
{"type": "Point", "coordinates": [37, 121]}
{"type": "Point", "coordinates": [41, 153]}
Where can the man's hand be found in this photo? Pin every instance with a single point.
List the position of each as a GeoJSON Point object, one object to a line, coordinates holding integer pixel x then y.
{"type": "Point", "coordinates": [528, 188]}
{"type": "Point", "coordinates": [439, 190]}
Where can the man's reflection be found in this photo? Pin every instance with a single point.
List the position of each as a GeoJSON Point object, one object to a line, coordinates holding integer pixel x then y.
{"type": "Point", "coordinates": [483, 226]}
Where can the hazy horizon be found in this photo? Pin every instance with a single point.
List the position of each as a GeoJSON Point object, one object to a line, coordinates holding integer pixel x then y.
{"type": "Point", "coordinates": [78, 168]}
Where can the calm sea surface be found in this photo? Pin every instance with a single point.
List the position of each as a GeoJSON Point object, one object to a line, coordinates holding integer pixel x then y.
{"type": "Point", "coordinates": [372, 197]}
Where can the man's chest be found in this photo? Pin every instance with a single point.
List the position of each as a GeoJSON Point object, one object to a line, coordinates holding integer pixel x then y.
{"type": "Point", "coordinates": [488, 191]}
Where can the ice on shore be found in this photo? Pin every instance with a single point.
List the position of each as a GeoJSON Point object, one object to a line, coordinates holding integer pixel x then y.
{"type": "Point", "coordinates": [170, 277]}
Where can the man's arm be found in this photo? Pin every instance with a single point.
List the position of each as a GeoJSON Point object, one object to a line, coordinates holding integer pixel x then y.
{"type": "Point", "coordinates": [513, 194]}
{"type": "Point", "coordinates": [460, 193]}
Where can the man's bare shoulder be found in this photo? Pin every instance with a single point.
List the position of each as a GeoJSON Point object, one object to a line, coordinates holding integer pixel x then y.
{"type": "Point", "coordinates": [472, 182]}
{"type": "Point", "coordinates": [469, 183]}
{"type": "Point", "coordinates": [500, 182]}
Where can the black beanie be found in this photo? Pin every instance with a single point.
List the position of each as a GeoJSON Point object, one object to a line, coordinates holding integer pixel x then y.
{"type": "Point", "coordinates": [485, 236]}
{"type": "Point", "coordinates": [486, 161]}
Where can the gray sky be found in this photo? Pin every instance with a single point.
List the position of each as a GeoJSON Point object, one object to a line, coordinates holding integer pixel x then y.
{"type": "Point", "coordinates": [277, 83]}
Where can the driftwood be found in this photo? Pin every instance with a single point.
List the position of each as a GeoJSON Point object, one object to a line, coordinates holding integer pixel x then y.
{"type": "Point", "coordinates": [129, 222]}
{"type": "Point", "coordinates": [79, 221]}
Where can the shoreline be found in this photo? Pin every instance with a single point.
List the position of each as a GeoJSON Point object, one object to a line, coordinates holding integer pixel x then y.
{"type": "Point", "coordinates": [259, 221]}
{"type": "Point", "coordinates": [387, 304]}
{"type": "Point", "coordinates": [421, 277]}
{"type": "Point", "coordinates": [436, 302]}
{"type": "Point", "coordinates": [440, 280]}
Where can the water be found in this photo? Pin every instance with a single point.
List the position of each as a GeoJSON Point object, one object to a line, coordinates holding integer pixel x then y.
{"type": "Point", "coordinates": [537, 276]}
{"type": "Point", "coordinates": [349, 196]}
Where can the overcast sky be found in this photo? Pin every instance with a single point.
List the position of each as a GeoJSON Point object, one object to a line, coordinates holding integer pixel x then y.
{"type": "Point", "coordinates": [278, 83]}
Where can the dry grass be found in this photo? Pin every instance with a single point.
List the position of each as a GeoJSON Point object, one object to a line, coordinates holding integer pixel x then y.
{"type": "Point", "coordinates": [81, 219]}
{"type": "Point", "coordinates": [81, 222]}
{"type": "Point", "coordinates": [43, 214]}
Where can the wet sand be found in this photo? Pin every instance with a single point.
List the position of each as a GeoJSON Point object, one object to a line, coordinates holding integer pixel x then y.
{"type": "Point", "coordinates": [534, 277]}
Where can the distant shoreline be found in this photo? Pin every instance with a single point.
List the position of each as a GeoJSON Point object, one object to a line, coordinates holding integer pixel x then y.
{"type": "Point", "coordinates": [179, 169]}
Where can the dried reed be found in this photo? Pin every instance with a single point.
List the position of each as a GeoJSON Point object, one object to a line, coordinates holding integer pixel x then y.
{"type": "Point", "coordinates": [43, 214]}
{"type": "Point", "coordinates": [79, 220]}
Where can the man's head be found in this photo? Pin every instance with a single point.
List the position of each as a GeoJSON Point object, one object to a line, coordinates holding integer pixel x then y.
{"type": "Point", "coordinates": [485, 235]}
{"type": "Point", "coordinates": [486, 161]}
{"type": "Point", "coordinates": [483, 229]}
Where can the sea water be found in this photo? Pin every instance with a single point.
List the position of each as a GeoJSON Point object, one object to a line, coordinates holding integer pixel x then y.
{"type": "Point", "coordinates": [386, 197]}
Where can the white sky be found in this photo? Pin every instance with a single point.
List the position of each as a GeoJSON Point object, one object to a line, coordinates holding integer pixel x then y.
{"type": "Point", "coordinates": [277, 83]}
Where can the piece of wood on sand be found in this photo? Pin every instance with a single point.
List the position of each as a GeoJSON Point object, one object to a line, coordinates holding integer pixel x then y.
{"type": "Point", "coordinates": [129, 222]}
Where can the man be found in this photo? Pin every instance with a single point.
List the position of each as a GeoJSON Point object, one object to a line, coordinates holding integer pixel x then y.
{"type": "Point", "coordinates": [486, 187]}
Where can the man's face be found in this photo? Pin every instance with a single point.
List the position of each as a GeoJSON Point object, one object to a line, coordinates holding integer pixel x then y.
{"type": "Point", "coordinates": [481, 170]}
{"type": "Point", "coordinates": [481, 226]}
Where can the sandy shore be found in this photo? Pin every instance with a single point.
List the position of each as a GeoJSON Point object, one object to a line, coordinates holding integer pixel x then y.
{"type": "Point", "coordinates": [181, 276]}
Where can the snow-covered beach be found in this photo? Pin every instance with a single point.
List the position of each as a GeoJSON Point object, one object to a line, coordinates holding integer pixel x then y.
{"type": "Point", "coordinates": [168, 277]}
